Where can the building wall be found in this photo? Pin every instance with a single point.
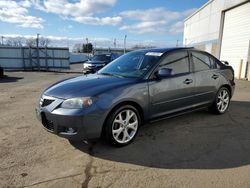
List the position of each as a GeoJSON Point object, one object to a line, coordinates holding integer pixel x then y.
{"type": "Point", "coordinates": [203, 28]}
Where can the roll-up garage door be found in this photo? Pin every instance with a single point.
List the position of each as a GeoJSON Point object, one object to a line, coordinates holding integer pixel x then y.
{"type": "Point", "coordinates": [236, 37]}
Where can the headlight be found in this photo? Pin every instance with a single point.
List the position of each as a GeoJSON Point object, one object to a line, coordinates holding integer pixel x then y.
{"type": "Point", "coordinates": [77, 103]}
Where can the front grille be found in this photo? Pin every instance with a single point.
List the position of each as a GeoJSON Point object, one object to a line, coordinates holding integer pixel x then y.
{"type": "Point", "coordinates": [46, 102]}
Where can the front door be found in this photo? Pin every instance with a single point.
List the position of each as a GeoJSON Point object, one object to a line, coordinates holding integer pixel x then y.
{"type": "Point", "coordinates": [174, 93]}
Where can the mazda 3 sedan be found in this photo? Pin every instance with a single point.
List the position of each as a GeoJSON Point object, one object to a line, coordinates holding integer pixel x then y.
{"type": "Point", "coordinates": [138, 87]}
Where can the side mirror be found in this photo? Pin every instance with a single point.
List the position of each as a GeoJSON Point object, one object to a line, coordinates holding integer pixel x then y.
{"type": "Point", "coordinates": [163, 73]}
{"type": "Point", "coordinates": [225, 62]}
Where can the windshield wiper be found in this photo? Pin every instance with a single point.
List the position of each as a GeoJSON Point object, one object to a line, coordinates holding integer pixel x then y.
{"type": "Point", "coordinates": [110, 74]}
{"type": "Point", "coordinates": [106, 73]}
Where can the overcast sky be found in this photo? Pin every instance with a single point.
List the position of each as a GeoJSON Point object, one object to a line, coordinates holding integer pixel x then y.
{"type": "Point", "coordinates": [101, 21]}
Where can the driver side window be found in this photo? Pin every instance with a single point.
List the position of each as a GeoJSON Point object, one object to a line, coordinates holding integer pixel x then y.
{"type": "Point", "coordinates": [177, 62]}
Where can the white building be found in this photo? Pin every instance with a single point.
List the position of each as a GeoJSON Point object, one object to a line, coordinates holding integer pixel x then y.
{"type": "Point", "coordinates": [222, 27]}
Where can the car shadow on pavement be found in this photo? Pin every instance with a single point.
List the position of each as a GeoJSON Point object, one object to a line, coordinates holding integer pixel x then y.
{"type": "Point", "coordinates": [194, 141]}
{"type": "Point", "coordinates": [7, 79]}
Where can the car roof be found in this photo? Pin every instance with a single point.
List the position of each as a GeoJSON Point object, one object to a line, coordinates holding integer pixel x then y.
{"type": "Point", "coordinates": [164, 50]}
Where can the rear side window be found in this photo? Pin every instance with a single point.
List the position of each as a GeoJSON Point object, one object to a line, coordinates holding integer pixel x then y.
{"type": "Point", "coordinates": [213, 63]}
{"type": "Point", "coordinates": [178, 62]}
{"type": "Point", "coordinates": [201, 61]}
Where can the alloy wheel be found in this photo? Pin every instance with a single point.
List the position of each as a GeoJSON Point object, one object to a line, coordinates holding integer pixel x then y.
{"type": "Point", "coordinates": [125, 126]}
{"type": "Point", "coordinates": [223, 100]}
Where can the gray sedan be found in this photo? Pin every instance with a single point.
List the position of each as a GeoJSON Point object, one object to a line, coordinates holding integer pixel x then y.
{"type": "Point", "coordinates": [138, 87]}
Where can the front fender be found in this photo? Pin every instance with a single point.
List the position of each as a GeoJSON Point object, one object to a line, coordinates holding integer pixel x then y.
{"type": "Point", "coordinates": [137, 93]}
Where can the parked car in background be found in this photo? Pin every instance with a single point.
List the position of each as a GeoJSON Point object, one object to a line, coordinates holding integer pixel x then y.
{"type": "Point", "coordinates": [76, 58]}
{"type": "Point", "coordinates": [138, 87]}
{"type": "Point", "coordinates": [97, 62]}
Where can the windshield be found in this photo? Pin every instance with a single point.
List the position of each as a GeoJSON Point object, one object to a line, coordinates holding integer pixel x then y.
{"type": "Point", "coordinates": [101, 58]}
{"type": "Point", "coordinates": [132, 65]}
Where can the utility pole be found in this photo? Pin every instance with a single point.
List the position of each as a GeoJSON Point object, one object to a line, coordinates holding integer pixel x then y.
{"type": "Point", "coordinates": [125, 40]}
{"type": "Point", "coordinates": [37, 48]}
{"type": "Point", "coordinates": [114, 43]}
{"type": "Point", "coordinates": [87, 40]}
{"type": "Point", "coordinates": [177, 43]}
{"type": "Point", "coordinates": [2, 40]}
{"type": "Point", "coordinates": [94, 51]}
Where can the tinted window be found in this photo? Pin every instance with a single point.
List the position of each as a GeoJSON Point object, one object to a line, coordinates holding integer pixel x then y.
{"type": "Point", "coordinates": [178, 62]}
{"type": "Point", "coordinates": [201, 61]}
{"type": "Point", "coordinates": [214, 64]}
{"type": "Point", "coordinates": [101, 58]}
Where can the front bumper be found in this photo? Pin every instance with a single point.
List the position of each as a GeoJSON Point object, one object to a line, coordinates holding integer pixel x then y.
{"type": "Point", "coordinates": [70, 127]}
{"type": "Point", "coordinates": [72, 124]}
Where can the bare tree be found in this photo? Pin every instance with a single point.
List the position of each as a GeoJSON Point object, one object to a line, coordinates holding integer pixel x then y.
{"type": "Point", "coordinates": [21, 41]}
{"type": "Point", "coordinates": [30, 42]}
{"type": "Point", "coordinates": [8, 42]}
{"type": "Point", "coordinates": [142, 46]}
{"type": "Point", "coordinates": [44, 41]}
{"type": "Point", "coordinates": [18, 41]}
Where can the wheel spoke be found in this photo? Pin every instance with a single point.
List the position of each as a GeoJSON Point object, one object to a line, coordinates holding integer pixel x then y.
{"type": "Point", "coordinates": [226, 100]}
{"type": "Point", "coordinates": [133, 125]}
{"type": "Point", "coordinates": [219, 107]}
{"type": "Point", "coordinates": [117, 131]}
{"type": "Point", "coordinates": [125, 135]}
{"type": "Point", "coordinates": [222, 107]}
{"type": "Point", "coordinates": [219, 103]}
{"type": "Point", "coordinates": [118, 119]}
{"type": "Point", "coordinates": [224, 94]}
{"type": "Point", "coordinates": [220, 96]}
{"type": "Point", "coordinates": [129, 115]}
{"type": "Point", "coordinates": [120, 116]}
{"type": "Point", "coordinates": [117, 136]}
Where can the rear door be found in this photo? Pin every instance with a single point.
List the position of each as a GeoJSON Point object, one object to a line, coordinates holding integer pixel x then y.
{"type": "Point", "coordinates": [174, 93]}
{"type": "Point", "coordinates": [206, 77]}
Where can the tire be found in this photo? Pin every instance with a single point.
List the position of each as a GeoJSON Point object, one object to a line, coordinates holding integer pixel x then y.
{"type": "Point", "coordinates": [122, 126]}
{"type": "Point", "coordinates": [222, 101]}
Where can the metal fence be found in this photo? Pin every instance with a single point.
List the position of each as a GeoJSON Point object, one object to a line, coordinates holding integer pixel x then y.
{"type": "Point", "coordinates": [32, 58]}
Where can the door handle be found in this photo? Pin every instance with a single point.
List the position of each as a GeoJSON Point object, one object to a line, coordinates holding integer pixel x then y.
{"type": "Point", "coordinates": [188, 81]}
{"type": "Point", "coordinates": [215, 76]}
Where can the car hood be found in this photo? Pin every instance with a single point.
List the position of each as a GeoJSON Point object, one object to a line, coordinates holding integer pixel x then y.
{"type": "Point", "coordinates": [88, 85]}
